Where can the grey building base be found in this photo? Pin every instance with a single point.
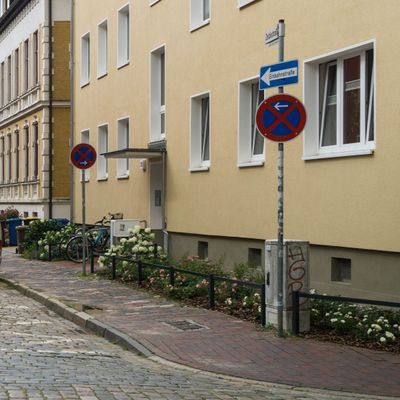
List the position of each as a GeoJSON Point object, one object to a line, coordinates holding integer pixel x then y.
{"type": "Point", "coordinates": [374, 274]}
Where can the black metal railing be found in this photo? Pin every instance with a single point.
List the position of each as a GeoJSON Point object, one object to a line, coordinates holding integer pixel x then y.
{"type": "Point", "coordinates": [211, 278]}
{"type": "Point", "coordinates": [296, 295]}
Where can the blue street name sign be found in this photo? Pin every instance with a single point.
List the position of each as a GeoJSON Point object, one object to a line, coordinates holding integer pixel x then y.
{"type": "Point", "coordinates": [280, 74]}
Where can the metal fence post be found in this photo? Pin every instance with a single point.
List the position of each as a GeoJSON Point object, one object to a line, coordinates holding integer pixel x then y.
{"type": "Point", "coordinates": [211, 298]}
{"type": "Point", "coordinates": [91, 261]}
{"type": "Point", "coordinates": [295, 312]}
{"type": "Point", "coordinates": [140, 272]}
{"type": "Point", "coordinates": [172, 276]}
{"type": "Point", "coordinates": [113, 267]}
{"type": "Point", "coordinates": [50, 255]}
{"type": "Point", "coordinates": [263, 306]}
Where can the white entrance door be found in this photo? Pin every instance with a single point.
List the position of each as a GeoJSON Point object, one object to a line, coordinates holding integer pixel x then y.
{"type": "Point", "coordinates": [156, 196]}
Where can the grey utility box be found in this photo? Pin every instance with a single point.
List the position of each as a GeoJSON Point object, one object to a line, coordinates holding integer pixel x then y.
{"type": "Point", "coordinates": [296, 276]}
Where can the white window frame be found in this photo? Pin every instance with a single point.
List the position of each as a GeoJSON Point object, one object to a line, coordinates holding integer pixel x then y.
{"type": "Point", "coordinates": [85, 59]}
{"type": "Point", "coordinates": [102, 146]}
{"type": "Point", "coordinates": [157, 109]}
{"type": "Point", "coordinates": [246, 158]}
{"type": "Point", "coordinates": [123, 143]}
{"type": "Point", "coordinates": [85, 138]}
{"type": "Point", "coordinates": [27, 64]}
{"type": "Point", "coordinates": [197, 18]}
{"type": "Point", "coordinates": [197, 163]}
{"type": "Point", "coordinates": [123, 36]}
{"type": "Point", "coordinates": [242, 3]}
{"type": "Point", "coordinates": [152, 2]}
{"type": "Point", "coordinates": [312, 134]}
{"type": "Point", "coordinates": [102, 49]}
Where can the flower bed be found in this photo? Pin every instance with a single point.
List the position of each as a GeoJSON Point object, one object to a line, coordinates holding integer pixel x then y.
{"type": "Point", "coordinates": [352, 324]}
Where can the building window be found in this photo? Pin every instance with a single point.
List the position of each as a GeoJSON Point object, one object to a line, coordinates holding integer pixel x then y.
{"type": "Point", "coordinates": [250, 142]}
{"type": "Point", "coordinates": [8, 165]}
{"type": "Point", "coordinates": [85, 139]}
{"type": "Point", "coordinates": [341, 118]}
{"type": "Point", "coordinates": [35, 62]}
{"type": "Point", "coordinates": [26, 214]}
{"type": "Point", "coordinates": [157, 97]}
{"type": "Point", "coordinates": [16, 73]}
{"type": "Point", "coordinates": [199, 13]}
{"type": "Point", "coordinates": [200, 132]}
{"type": "Point", "coordinates": [102, 50]}
{"type": "Point", "coordinates": [26, 153]}
{"type": "Point", "coordinates": [2, 72]}
{"type": "Point", "coordinates": [85, 59]}
{"type": "Point", "coordinates": [16, 155]}
{"type": "Point", "coordinates": [35, 149]}
{"type": "Point", "coordinates": [2, 161]}
{"type": "Point", "coordinates": [255, 257]}
{"type": "Point", "coordinates": [26, 65]}
{"type": "Point", "coordinates": [123, 36]}
{"type": "Point", "coordinates": [341, 269]}
{"type": "Point", "coordinates": [102, 163]}
{"type": "Point", "coordinates": [34, 214]}
{"type": "Point", "coordinates": [202, 250]}
{"type": "Point", "coordinates": [9, 79]}
{"type": "Point", "coordinates": [123, 143]}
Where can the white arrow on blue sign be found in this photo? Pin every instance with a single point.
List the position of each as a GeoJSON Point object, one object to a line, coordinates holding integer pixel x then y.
{"type": "Point", "coordinates": [280, 74]}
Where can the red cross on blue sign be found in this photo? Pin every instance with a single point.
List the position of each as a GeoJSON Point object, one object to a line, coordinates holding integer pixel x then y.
{"type": "Point", "coordinates": [281, 117]}
{"type": "Point", "coordinates": [83, 156]}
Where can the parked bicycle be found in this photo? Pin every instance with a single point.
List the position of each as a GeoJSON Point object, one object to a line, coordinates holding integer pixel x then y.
{"type": "Point", "coordinates": [97, 239]}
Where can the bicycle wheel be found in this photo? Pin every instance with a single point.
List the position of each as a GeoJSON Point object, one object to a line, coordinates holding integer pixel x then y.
{"type": "Point", "coordinates": [74, 249]}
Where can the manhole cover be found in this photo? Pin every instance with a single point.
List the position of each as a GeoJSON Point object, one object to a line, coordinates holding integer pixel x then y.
{"type": "Point", "coordinates": [185, 325]}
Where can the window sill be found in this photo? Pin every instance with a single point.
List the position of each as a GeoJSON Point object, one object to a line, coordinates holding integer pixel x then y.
{"type": "Point", "coordinates": [84, 84]}
{"type": "Point", "coordinates": [339, 154]}
{"type": "Point", "coordinates": [250, 164]}
{"type": "Point", "coordinates": [102, 179]}
{"type": "Point", "coordinates": [199, 169]}
{"type": "Point", "coordinates": [102, 75]}
{"type": "Point", "coordinates": [153, 2]}
{"type": "Point", "coordinates": [200, 25]}
{"type": "Point", "coordinates": [123, 64]}
{"type": "Point", "coordinates": [245, 3]}
{"type": "Point", "coordinates": [122, 177]}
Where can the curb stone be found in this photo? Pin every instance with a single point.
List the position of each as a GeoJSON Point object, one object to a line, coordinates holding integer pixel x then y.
{"type": "Point", "coordinates": [111, 334]}
{"type": "Point", "coordinates": [81, 319]}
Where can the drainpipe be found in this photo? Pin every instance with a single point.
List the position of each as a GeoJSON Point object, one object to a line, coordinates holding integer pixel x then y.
{"type": "Point", "coordinates": [72, 105]}
{"type": "Point", "coordinates": [50, 109]}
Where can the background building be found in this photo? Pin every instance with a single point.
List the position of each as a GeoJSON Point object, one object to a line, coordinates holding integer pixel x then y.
{"type": "Point", "coordinates": [183, 76]}
{"type": "Point", "coordinates": [34, 106]}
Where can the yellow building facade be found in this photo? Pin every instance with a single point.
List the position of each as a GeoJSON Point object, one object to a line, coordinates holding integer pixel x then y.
{"type": "Point", "coordinates": [176, 83]}
{"type": "Point", "coordinates": [35, 107]}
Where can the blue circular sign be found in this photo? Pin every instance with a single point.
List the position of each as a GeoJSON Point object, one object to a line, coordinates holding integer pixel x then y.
{"type": "Point", "coordinates": [281, 118]}
{"type": "Point", "coordinates": [83, 156]}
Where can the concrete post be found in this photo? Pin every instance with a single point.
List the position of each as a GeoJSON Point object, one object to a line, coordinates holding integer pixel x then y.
{"type": "Point", "coordinates": [296, 276]}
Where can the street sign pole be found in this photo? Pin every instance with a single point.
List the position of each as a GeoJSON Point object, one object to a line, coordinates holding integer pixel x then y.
{"type": "Point", "coordinates": [281, 33]}
{"type": "Point", "coordinates": [83, 223]}
{"type": "Point", "coordinates": [83, 156]}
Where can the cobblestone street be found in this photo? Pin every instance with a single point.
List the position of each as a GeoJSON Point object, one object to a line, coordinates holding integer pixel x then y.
{"type": "Point", "coordinates": [43, 356]}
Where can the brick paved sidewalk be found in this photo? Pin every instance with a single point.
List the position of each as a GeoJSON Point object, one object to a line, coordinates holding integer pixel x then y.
{"type": "Point", "coordinates": [226, 345]}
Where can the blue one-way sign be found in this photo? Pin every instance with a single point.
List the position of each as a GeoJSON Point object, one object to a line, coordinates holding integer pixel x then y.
{"type": "Point", "coordinates": [280, 74]}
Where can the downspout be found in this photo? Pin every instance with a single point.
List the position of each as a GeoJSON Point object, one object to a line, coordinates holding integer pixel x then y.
{"type": "Point", "coordinates": [50, 110]}
{"type": "Point", "coordinates": [72, 105]}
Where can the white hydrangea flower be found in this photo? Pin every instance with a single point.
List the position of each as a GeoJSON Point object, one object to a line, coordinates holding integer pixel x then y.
{"type": "Point", "coordinates": [123, 240]}
{"type": "Point", "coordinates": [152, 235]}
{"type": "Point", "coordinates": [389, 335]}
{"type": "Point", "coordinates": [135, 249]}
{"type": "Point", "coordinates": [159, 248]}
{"type": "Point", "coordinates": [382, 339]}
{"type": "Point", "coordinates": [369, 331]}
{"type": "Point", "coordinates": [151, 249]}
{"type": "Point", "coordinates": [228, 301]}
{"type": "Point", "coordinates": [147, 230]}
{"type": "Point", "coordinates": [333, 319]}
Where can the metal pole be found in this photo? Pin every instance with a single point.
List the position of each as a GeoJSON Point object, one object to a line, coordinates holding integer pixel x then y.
{"type": "Point", "coordinates": [83, 223]}
{"type": "Point", "coordinates": [280, 199]}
